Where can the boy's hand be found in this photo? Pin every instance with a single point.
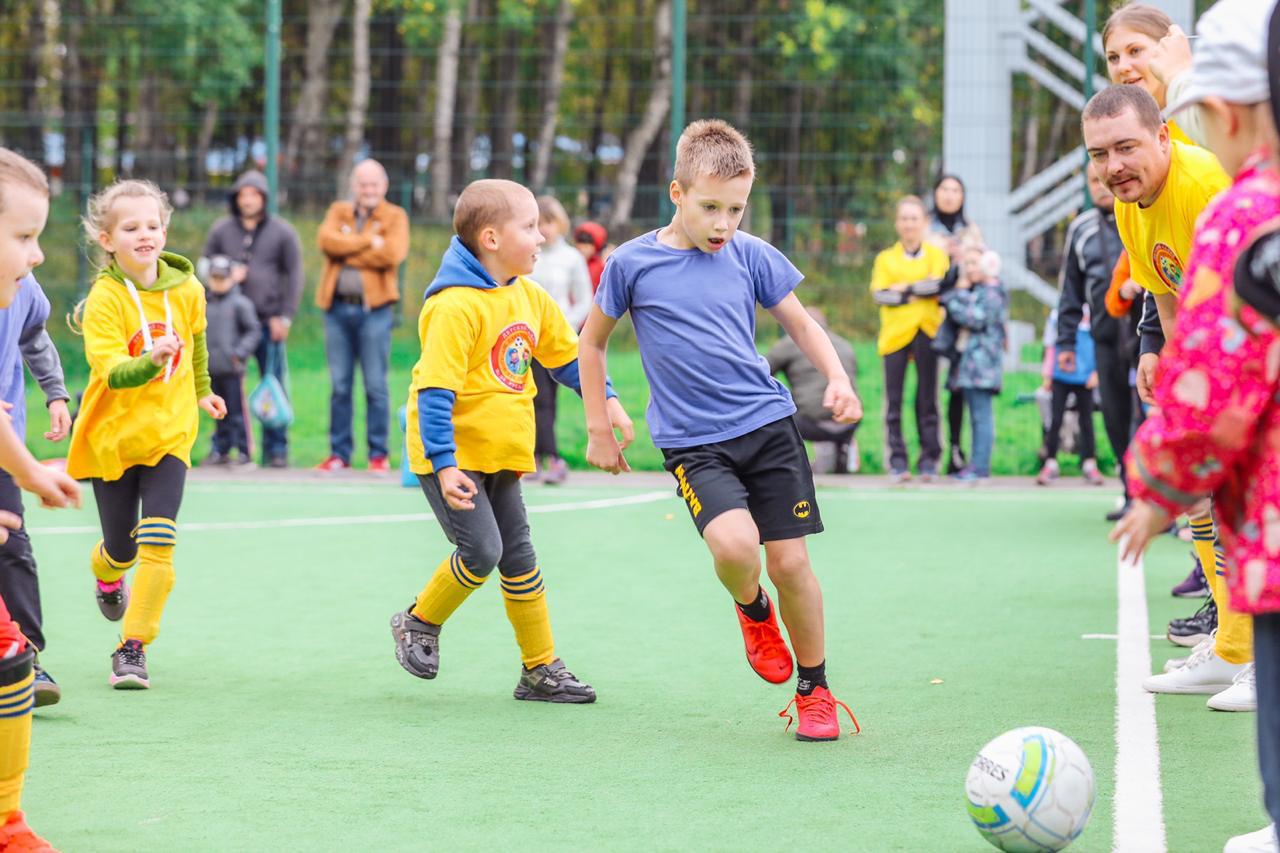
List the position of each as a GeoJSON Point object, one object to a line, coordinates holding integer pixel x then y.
{"type": "Point", "coordinates": [1130, 290]}
{"type": "Point", "coordinates": [1147, 364]}
{"type": "Point", "coordinates": [214, 406]}
{"type": "Point", "coordinates": [54, 488]}
{"type": "Point", "coordinates": [164, 349]}
{"type": "Point", "coordinates": [621, 421]}
{"type": "Point", "coordinates": [59, 421]}
{"type": "Point", "coordinates": [8, 521]}
{"type": "Point", "coordinates": [458, 489]}
{"type": "Point", "coordinates": [1133, 532]}
{"type": "Point", "coordinates": [1067, 361]}
{"type": "Point", "coordinates": [840, 398]}
{"type": "Point", "coordinates": [604, 452]}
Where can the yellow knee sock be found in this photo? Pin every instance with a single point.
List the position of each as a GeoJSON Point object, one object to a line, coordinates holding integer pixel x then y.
{"type": "Point", "coordinates": [151, 583]}
{"type": "Point", "coordinates": [1202, 541]}
{"type": "Point", "coordinates": [526, 599]}
{"type": "Point", "coordinates": [17, 698]}
{"type": "Point", "coordinates": [104, 567]}
{"type": "Point", "coordinates": [445, 592]}
{"type": "Point", "coordinates": [1234, 642]}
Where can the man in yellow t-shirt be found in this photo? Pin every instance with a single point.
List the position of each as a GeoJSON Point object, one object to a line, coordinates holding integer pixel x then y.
{"type": "Point", "coordinates": [471, 430]}
{"type": "Point", "coordinates": [905, 283]}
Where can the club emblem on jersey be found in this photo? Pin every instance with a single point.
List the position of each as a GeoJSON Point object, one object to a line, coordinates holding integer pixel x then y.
{"type": "Point", "coordinates": [801, 510]}
{"type": "Point", "coordinates": [158, 330]}
{"type": "Point", "coordinates": [1167, 265]}
{"type": "Point", "coordinates": [511, 356]}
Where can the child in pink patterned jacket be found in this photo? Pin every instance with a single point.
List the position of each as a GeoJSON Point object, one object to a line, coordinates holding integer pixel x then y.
{"type": "Point", "coordinates": [1216, 428]}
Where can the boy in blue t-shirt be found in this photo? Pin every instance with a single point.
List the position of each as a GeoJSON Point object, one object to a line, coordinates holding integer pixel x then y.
{"type": "Point", "coordinates": [722, 422]}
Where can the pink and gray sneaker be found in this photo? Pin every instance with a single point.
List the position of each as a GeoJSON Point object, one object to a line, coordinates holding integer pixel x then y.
{"type": "Point", "coordinates": [113, 599]}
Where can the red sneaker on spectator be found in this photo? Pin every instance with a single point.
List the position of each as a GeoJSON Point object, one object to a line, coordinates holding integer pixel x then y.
{"type": "Point", "coordinates": [333, 463]}
{"type": "Point", "coordinates": [379, 465]}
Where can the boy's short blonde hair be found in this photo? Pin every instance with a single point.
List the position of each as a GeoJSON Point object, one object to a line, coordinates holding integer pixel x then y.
{"type": "Point", "coordinates": [714, 149]}
{"type": "Point", "coordinates": [484, 204]}
{"type": "Point", "coordinates": [16, 169]}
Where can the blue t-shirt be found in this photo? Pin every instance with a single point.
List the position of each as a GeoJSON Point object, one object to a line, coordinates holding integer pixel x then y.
{"type": "Point", "coordinates": [30, 309]}
{"type": "Point", "coordinates": [695, 319]}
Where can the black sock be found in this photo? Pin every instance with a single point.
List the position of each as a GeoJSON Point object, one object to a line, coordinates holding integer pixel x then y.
{"type": "Point", "coordinates": [758, 610]}
{"type": "Point", "coordinates": [811, 677]}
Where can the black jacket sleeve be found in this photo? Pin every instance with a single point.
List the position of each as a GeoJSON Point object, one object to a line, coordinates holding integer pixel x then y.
{"type": "Point", "coordinates": [1150, 332]}
{"type": "Point", "coordinates": [1071, 299]}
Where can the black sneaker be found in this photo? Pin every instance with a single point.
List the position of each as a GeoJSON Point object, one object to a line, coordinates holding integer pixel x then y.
{"type": "Point", "coordinates": [1190, 631]}
{"type": "Point", "coordinates": [417, 644]}
{"type": "Point", "coordinates": [129, 667]}
{"type": "Point", "coordinates": [47, 690]}
{"type": "Point", "coordinates": [553, 682]}
{"type": "Point", "coordinates": [113, 603]}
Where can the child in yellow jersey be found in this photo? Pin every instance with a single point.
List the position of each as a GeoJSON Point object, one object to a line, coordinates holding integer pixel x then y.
{"type": "Point", "coordinates": [471, 430]}
{"type": "Point", "coordinates": [905, 282]}
{"type": "Point", "coordinates": [144, 325]}
{"type": "Point", "coordinates": [24, 206]}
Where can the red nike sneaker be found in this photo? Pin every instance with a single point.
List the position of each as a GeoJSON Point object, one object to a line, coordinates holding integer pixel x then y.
{"type": "Point", "coordinates": [379, 465]}
{"type": "Point", "coordinates": [818, 718]}
{"type": "Point", "coordinates": [17, 837]}
{"type": "Point", "coordinates": [767, 652]}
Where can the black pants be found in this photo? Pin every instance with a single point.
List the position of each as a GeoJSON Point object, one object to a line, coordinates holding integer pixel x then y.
{"type": "Point", "coordinates": [1084, 407]}
{"type": "Point", "coordinates": [544, 412]}
{"type": "Point", "coordinates": [955, 424]}
{"type": "Point", "coordinates": [1117, 402]}
{"type": "Point", "coordinates": [232, 432]}
{"type": "Point", "coordinates": [1266, 656]}
{"type": "Point", "coordinates": [921, 352]}
{"type": "Point", "coordinates": [156, 490]}
{"type": "Point", "coordinates": [495, 533]}
{"type": "Point", "coordinates": [19, 586]}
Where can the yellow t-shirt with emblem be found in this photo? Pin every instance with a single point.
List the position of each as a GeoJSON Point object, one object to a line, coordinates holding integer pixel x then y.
{"type": "Point", "coordinates": [1158, 238]}
{"type": "Point", "coordinates": [480, 343]}
{"type": "Point", "coordinates": [1177, 134]}
{"type": "Point", "coordinates": [899, 323]}
{"type": "Point", "coordinates": [119, 428]}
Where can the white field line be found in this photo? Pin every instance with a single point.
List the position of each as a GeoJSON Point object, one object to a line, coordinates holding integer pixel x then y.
{"type": "Point", "coordinates": [1113, 637]}
{"type": "Point", "coordinates": [332, 520]}
{"type": "Point", "coordinates": [1139, 807]}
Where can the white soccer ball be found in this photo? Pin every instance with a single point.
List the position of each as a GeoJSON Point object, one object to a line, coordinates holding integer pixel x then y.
{"type": "Point", "coordinates": [1030, 790]}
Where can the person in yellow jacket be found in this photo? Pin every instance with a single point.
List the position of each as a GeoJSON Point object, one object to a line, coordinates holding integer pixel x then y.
{"type": "Point", "coordinates": [144, 339]}
{"type": "Point", "coordinates": [905, 283]}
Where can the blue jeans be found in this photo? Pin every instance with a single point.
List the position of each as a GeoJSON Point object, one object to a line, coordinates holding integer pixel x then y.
{"type": "Point", "coordinates": [1266, 655]}
{"type": "Point", "coordinates": [353, 334]}
{"type": "Point", "coordinates": [275, 442]}
{"type": "Point", "coordinates": [983, 423]}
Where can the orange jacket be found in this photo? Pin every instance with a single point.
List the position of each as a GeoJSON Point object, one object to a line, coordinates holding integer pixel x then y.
{"type": "Point", "coordinates": [1118, 306]}
{"type": "Point", "coordinates": [343, 245]}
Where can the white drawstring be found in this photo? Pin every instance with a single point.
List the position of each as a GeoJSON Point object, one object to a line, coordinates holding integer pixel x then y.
{"type": "Point", "coordinates": [147, 343]}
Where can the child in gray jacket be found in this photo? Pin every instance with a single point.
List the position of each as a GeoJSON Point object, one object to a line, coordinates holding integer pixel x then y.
{"type": "Point", "coordinates": [232, 337]}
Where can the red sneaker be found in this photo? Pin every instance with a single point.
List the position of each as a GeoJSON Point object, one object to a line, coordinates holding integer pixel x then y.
{"type": "Point", "coordinates": [16, 836]}
{"type": "Point", "coordinates": [379, 465]}
{"type": "Point", "coordinates": [818, 718]}
{"type": "Point", "coordinates": [767, 652]}
{"type": "Point", "coordinates": [333, 463]}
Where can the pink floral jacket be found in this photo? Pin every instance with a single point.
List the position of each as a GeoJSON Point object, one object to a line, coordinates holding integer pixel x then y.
{"type": "Point", "coordinates": [1217, 427]}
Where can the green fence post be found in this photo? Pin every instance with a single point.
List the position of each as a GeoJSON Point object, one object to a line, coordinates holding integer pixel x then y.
{"type": "Point", "coordinates": [271, 119]}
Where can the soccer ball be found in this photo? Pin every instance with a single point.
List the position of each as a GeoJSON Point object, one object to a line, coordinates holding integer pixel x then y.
{"type": "Point", "coordinates": [1030, 790]}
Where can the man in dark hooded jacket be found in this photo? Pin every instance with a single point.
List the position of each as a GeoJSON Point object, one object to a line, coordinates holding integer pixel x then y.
{"type": "Point", "coordinates": [268, 267]}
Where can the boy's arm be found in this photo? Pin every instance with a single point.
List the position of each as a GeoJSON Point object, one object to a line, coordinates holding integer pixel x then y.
{"type": "Point", "coordinates": [42, 359]}
{"type": "Point", "coordinates": [603, 449]}
{"type": "Point", "coordinates": [813, 342]}
{"type": "Point", "coordinates": [54, 488]}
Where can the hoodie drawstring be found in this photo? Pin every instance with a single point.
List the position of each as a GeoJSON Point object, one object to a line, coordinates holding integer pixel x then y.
{"type": "Point", "coordinates": [147, 343]}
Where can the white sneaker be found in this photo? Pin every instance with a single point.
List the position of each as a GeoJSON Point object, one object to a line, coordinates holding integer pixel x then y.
{"type": "Point", "coordinates": [1242, 695]}
{"type": "Point", "coordinates": [1178, 663]}
{"type": "Point", "coordinates": [1262, 841]}
{"type": "Point", "coordinates": [1204, 672]}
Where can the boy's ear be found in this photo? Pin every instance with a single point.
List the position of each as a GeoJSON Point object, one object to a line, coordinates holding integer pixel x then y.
{"type": "Point", "coordinates": [488, 238]}
{"type": "Point", "coordinates": [675, 192]}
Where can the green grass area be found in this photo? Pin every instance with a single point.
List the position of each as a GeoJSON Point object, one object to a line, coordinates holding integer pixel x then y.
{"type": "Point", "coordinates": [1017, 424]}
{"type": "Point", "coordinates": [280, 720]}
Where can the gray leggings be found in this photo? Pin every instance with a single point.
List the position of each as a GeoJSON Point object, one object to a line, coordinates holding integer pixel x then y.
{"type": "Point", "coordinates": [495, 533]}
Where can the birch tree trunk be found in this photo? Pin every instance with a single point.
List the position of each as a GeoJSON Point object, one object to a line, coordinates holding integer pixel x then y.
{"type": "Point", "coordinates": [305, 148]}
{"type": "Point", "coordinates": [641, 138]}
{"type": "Point", "coordinates": [551, 99]}
{"type": "Point", "coordinates": [446, 94]}
{"type": "Point", "coordinates": [359, 107]}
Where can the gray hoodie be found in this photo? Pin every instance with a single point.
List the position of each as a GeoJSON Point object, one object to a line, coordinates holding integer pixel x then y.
{"type": "Point", "coordinates": [271, 250]}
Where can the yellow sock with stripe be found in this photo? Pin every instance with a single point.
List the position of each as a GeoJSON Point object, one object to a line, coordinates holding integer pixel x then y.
{"type": "Point", "coordinates": [445, 592]}
{"type": "Point", "coordinates": [153, 580]}
{"type": "Point", "coordinates": [1234, 640]}
{"type": "Point", "coordinates": [17, 698]}
{"type": "Point", "coordinates": [526, 599]}
{"type": "Point", "coordinates": [105, 568]}
{"type": "Point", "coordinates": [1202, 537]}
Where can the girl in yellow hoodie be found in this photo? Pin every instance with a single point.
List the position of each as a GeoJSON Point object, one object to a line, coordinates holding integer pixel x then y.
{"type": "Point", "coordinates": [144, 336]}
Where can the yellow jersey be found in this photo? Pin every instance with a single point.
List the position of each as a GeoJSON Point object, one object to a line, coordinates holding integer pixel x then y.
{"type": "Point", "coordinates": [479, 343]}
{"type": "Point", "coordinates": [1177, 134]}
{"type": "Point", "coordinates": [118, 428]}
{"type": "Point", "coordinates": [900, 323]}
{"type": "Point", "coordinates": [1158, 238]}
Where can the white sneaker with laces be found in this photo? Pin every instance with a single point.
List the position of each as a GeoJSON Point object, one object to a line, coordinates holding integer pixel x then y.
{"type": "Point", "coordinates": [1242, 695]}
{"type": "Point", "coordinates": [1178, 663]}
{"type": "Point", "coordinates": [1204, 672]}
{"type": "Point", "coordinates": [1262, 841]}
